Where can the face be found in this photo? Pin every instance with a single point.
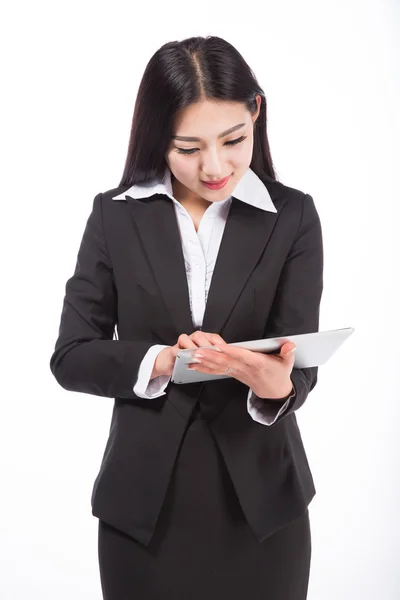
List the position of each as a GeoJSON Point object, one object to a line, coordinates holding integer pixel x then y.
{"type": "Point", "coordinates": [217, 152]}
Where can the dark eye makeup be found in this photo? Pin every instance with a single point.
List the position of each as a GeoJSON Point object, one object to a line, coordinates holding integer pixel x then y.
{"type": "Point", "coordinates": [193, 150]}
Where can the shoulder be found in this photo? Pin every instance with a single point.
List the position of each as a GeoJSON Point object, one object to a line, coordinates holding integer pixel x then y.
{"type": "Point", "coordinates": [293, 205]}
{"type": "Point", "coordinates": [291, 199]}
{"type": "Point", "coordinates": [281, 192]}
{"type": "Point", "coordinates": [109, 195]}
{"type": "Point", "coordinates": [106, 203]}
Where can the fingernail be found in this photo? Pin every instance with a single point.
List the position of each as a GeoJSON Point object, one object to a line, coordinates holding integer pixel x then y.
{"type": "Point", "coordinates": [195, 360]}
{"type": "Point", "coordinates": [197, 355]}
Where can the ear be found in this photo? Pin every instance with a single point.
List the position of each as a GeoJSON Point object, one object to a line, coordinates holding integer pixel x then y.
{"type": "Point", "coordinates": [255, 115]}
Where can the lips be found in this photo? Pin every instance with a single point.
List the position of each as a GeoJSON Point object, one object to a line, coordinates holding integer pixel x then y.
{"type": "Point", "coordinates": [216, 185]}
{"type": "Point", "coordinates": [214, 182]}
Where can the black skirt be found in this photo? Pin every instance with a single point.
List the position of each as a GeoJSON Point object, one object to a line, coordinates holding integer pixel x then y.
{"type": "Point", "coordinates": [203, 547]}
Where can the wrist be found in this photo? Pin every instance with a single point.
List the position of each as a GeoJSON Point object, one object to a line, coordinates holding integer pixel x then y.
{"type": "Point", "coordinates": [160, 367]}
{"type": "Point", "coordinates": [281, 394]}
{"type": "Point", "coordinates": [156, 372]}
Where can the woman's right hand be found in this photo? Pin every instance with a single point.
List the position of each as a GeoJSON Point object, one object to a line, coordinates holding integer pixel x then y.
{"type": "Point", "coordinates": [164, 363]}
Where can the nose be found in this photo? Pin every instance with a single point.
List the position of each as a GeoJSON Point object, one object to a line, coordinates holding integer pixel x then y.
{"type": "Point", "coordinates": [212, 167]}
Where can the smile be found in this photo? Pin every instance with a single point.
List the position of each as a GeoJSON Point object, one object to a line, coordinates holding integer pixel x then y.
{"type": "Point", "coordinates": [216, 185]}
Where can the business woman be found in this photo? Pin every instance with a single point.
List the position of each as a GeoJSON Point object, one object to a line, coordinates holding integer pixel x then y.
{"type": "Point", "coordinates": [203, 489]}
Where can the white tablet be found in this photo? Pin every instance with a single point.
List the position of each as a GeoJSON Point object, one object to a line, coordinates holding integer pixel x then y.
{"type": "Point", "coordinates": [312, 350]}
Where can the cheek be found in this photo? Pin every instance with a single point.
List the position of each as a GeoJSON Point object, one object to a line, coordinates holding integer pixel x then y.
{"type": "Point", "coordinates": [241, 155]}
{"type": "Point", "coordinates": [245, 151]}
{"type": "Point", "coordinates": [183, 167]}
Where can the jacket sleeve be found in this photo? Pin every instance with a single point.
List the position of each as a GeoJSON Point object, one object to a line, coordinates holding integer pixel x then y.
{"type": "Point", "coordinates": [297, 300]}
{"type": "Point", "coordinates": [86, 358]}
{"type": "Point", "coordinates": [267, 413]}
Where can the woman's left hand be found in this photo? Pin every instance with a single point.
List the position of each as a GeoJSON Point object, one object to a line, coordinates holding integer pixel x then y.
{"type": "Point", "coordinates": [268, 375]}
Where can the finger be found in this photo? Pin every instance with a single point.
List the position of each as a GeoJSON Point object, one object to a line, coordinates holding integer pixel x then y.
{"type": "Point", "coordinates": [204, 366]}
{"type": "Point", "coordinates": [203, 339]}
{"type": "Point", "coordinates": [288, 351]}
{"type": "Point", "coordinates": [184, 342]}
{"type": "Point", "coordinates": [240, 354]}
{"type": "Point", "coordinates": [215, 338]}
{"type": "Point", "coordinates": [217, 362]}
{"type": "Point", "coordinates": [204, 369]}
{"type": "Point", "coordinates": [175, 350]}
{"type": "Point", "coordinates": [249, 356]}
{"type": "Point", "coordinates": [209, 362]}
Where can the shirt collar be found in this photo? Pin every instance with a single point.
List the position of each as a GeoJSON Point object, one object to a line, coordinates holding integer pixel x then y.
{"type": "Point", "coordinates": [250, 190]}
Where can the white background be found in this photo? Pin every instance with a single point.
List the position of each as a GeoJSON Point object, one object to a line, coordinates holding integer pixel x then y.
{"type": "Point", "coordinates": [70, 73]}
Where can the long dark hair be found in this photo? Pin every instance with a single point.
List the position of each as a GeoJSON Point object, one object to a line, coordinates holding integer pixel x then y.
{"type": "Point", "coordinates": [177, 75]}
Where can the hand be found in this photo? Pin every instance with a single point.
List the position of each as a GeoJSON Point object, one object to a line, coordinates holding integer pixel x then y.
{"type": "Point", "coordinates": [164, 363]}
{"type": "Point", "coordinates": [268, 375]}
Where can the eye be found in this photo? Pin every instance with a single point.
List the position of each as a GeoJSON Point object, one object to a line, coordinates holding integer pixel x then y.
{"type": "Point", "coordinates": [193, 150]}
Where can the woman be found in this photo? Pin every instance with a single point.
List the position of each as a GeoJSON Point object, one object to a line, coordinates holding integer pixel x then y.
{"type": "Point", "coordinates": [204, 488]}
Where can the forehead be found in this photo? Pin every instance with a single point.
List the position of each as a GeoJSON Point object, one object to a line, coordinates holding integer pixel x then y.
{"type": "Point", "coordinates": [209, 118]}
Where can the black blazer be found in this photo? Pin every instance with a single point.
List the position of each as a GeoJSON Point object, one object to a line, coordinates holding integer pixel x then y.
{"type": "Point", "coordinates": [130, 283]}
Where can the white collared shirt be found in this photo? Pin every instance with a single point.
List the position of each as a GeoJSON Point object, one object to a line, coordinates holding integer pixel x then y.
{"type": "Point", "coordinates": [200, 251]}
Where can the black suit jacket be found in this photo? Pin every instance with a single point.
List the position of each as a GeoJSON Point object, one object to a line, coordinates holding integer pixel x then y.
{"type": "Point", "coordinates": [130, 281]}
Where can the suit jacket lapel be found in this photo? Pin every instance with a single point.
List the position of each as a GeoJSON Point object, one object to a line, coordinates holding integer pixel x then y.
{"type": "Point", "coordinates": [245, 237]}
{"type": "Point", "coordinates": [157, 227]}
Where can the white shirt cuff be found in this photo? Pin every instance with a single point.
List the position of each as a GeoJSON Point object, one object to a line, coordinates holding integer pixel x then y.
{"type": "Point", "coordinates": [264, 412]}
{"type": "Point", "coordinates": [144, 388]}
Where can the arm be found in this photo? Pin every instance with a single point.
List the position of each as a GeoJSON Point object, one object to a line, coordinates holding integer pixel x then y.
{"type": "Point", "coordinates": [296, 304]}
{"type": "Point", "coordinates": [86, 358]}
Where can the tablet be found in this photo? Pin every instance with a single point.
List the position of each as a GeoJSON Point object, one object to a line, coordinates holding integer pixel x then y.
{"type": "Point", "coordinates": [312, 350]}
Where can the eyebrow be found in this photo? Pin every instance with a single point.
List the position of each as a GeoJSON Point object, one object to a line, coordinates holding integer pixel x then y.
{"type": "Point", "coordinates": [182, 138]}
